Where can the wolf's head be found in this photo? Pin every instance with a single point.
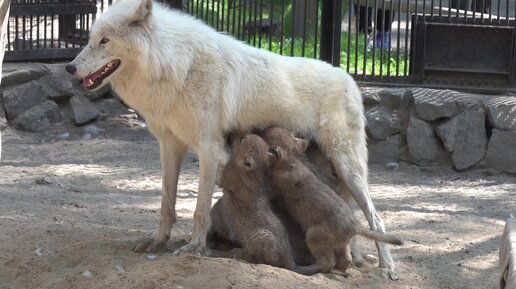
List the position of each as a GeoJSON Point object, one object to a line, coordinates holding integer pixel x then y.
{"type": "Point", "coordinates": [115, 41]}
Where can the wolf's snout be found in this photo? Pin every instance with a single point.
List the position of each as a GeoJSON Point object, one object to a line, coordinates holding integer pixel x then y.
{"type": "Point", "coordinates": [71, 68]}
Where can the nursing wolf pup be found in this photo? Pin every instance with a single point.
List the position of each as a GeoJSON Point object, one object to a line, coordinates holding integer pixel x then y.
{"type": "Point", "coordinates": [328, 221]}
{"type": "Point", "coordinates": [247, 208]}
{"type": "Point", "coordinates": [193, 85]}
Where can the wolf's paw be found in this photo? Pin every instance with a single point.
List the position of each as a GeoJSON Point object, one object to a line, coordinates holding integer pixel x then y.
{"type": "Point", "coordinates": [195, 249]}
{"type": "Point", "coordinates": [390, 273]}
{"type": "Point", "coordinates": [149, 245]}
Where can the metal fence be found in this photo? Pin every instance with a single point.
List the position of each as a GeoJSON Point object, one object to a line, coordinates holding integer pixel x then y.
{"type": "Point", "coordinates": [427, 42]}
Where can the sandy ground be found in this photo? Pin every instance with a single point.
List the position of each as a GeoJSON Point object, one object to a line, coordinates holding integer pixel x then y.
{"type": "Point", "coordinates": [71, 209]}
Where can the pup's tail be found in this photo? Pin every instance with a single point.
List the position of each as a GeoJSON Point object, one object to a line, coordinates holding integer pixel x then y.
{"type": "Point", "coordinates": [386, 238]}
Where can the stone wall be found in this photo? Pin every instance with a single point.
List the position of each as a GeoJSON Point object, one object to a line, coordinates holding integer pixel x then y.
{"type": "Point", "coordinates": [421, 126]}
{"type": "Point", "coordinates": [36, 96]}
{"type": "Point", "coordinates": [441, 127]}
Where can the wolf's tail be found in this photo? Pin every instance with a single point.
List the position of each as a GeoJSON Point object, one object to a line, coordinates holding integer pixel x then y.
{"type": "Point", "coordinates": [386, 238]}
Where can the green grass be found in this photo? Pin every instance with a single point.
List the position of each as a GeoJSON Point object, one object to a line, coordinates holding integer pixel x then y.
{"type": "Point", "coordinates": [293, 46]}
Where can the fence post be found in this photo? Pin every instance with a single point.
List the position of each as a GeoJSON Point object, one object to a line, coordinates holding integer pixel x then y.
{"type": "Point", "coordinates": [331, 18]}
{"type": "Point", "coordinates": [176, 4]}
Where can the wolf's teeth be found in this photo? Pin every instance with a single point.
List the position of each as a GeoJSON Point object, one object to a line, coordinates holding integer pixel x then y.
{"type": "Point", "coordinates": [90, 82]}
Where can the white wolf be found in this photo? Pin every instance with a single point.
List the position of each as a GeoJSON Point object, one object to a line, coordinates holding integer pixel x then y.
{"type": "Point", "coordinates": [193, 85]}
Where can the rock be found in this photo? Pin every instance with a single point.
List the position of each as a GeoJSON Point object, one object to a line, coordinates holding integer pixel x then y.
{"type": "Point", "coordinates": [381, 122]}
{"type": "Point", "coordinates": [501, 112]}
{"type": "Point", "coordinates": [385, 151]}
{"type": "Point", "coordinates": [3, 119]}
{"type": "Point", "coordinates": [111, 107]}
{"type": "Point", "coordinates": [423, 145]}
{"type": "Point", "coordinates": [370, 98]}
{"type": "Point", "coordinates": [93, 129]}
{"type": "Point", "coordinates": [432, 104]}
{"type": "Point", "coordinates": [501, 152]}
{"type": "Point", "coordinates": [465, 137]}
{"type": "Point", "coordinates": [83, 110]}
{"type": "Point", "coordinates": [39, 118]}
{"type": "Point", "coordinates": [57, 86]}
{"type": "Point", "coordinates": [24, 74]}
{"type": "Point", "coordinates": [392, 97]}
{"type": "Point", "coordinates": [20, 98]}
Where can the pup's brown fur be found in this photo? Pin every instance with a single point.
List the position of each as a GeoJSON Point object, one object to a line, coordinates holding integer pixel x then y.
{"type": "Point", "coordinates": [313, 158]}
{"type": "Point", "coordinates": [246, 209]}
{"type": "Point", "coordinates": [325, 217]}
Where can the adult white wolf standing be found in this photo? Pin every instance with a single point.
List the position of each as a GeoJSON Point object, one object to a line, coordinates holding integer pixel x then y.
{"type": "Point", "coordinates": [193, 85]}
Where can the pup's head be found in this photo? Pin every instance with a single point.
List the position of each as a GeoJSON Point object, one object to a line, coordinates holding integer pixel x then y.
{"type": "Point", "coordinates": [280, 137]}
{"type": "Point", "coordinates": [116, 38]}
{"type": "Point", "coordinates": [249, 160]}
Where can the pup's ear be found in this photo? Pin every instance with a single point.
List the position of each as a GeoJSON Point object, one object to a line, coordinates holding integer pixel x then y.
{"type": "Point", "coordinates": [302, 145]}
{"type": "Point", "coordinates": [141, 14]}
{"type": "Point", "coordinates": [275, 153]}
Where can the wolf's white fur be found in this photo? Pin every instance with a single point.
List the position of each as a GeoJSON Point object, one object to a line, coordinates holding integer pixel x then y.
{"type": "Point", "coordinates": [193, 85]}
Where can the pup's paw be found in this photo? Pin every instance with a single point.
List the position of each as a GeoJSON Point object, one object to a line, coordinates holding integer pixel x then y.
{"type": "Point", "coordinates": [149, 245]}
{"type": "Point", "coordinates": [390, 273]}
{"type": "Point", "coordinates": [195, 249]}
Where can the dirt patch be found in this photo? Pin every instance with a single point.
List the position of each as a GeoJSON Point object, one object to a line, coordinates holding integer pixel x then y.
{"type": "Point", "coordinates": [71, 210]}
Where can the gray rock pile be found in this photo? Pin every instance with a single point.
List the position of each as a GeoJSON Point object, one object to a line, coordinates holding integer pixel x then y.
{"type": "Point", "coordinates": [36, 96]}
{"type": "Point", "coordinates": [441, 127]}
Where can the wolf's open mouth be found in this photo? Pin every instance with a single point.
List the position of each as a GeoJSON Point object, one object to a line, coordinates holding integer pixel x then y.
{"type": "Point", "coordinates": [93, 80]}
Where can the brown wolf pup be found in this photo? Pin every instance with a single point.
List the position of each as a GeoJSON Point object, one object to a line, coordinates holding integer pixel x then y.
{"type": "Point", "coordinates": [247, 210]}
{"type": "Point", "coordinates": [327, 219]}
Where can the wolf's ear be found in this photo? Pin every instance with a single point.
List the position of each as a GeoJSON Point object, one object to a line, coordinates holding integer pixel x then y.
{"type": "Point", "coordinates": [141, 14]}
{"type": "Point", "coordinates": [302, 145]}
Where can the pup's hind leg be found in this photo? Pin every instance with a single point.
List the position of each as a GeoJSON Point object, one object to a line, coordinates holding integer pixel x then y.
{"type": "Point", "coordinates": [343, 258]}
{"type": "Point", "coordinates": [171, 153]}
{"type": "Point", "coordinates": [321, 244]}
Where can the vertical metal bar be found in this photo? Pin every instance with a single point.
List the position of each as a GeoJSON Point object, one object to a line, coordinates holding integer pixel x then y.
{"type": "Point", "coordinates": [261, 19]}
{"type": "Point", "coordinates": [219, 20]}
{"type": "Point", "coordinates": [405, 66]}
{"type": "Point", "coordinates": [337, 29]}
{"type": "Point", "coordinates": [449, 11]}
{"type": "Point", "coordinates": [223, 8]}
{"type": "Point", "coordinates": [239, 32]}
{"type": "Point", "coordinates": [398, 40]}
{"type": "Point", "coordinates": [316, 27]}
{"type": "Point", "coordinates": [243, 19]}
{"type": "Point", "coordinates": [38, 37]}
{"type": "Point", "coordinates": [432, 8]}
{"type": "Point", "coordinates": [383, 32]}
{"type": "Point", "coordinates": [348, 46]}
{"type": "Point", "coordinates": [271, 28]}
{"type": "Point", "coordinates": [507, 11]}
{"type": "Point", "coordinates": [490, 11]}
{"type": "Point", "coordinates": [52, 31]}
{"type": "Point", "coordinates": [197, 9]}
{"type": "Point", "coordinates": [282, 25]}
{"type": "Point", "coordinates": [326, 30]}
{"type": "Point", "coordinates": [366, 23]}
{"type": "Point", "coordinates": [16, 32]}
{"type": "Point", "coordinates": [250, 23]}
{"type": "Point", "coordinates": [474, 10]}
{"type": "Point", "coordinates": [440, 10]}
{"type": "Point", "coordinates": [234, 17]}
{"type": "Point", "coordinates": [303, 41]}
{"type": "Point", "coordinates": [31, 32]}
{"type": "Point", "coordinates": [498, 11]}
{"type": "Point", "coordinates": [45, 32]}
{"type": "Point", "coordinates": [357, 30]}
{"type": "Point", "coordinates": [255, 22]}
{"type": "Point", "coordinates": [187, 6]}
{"type": "Point", "coordinates": [375, 32]}
{"type": "Point", "coordinates": [213, 15]}
{"type": "Point", "coordinates": [293, 33]}
{"type": "Point", "coordinates": [389, 50]}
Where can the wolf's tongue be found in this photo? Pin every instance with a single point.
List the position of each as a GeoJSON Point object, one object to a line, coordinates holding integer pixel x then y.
{"type": "Point", "coordinates": [89, 80]}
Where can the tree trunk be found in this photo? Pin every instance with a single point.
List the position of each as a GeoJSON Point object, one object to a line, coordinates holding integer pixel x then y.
{"type": "Point", "coordinates": [4, 17]}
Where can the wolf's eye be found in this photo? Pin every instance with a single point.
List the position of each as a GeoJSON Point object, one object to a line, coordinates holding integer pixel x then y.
{"type": "Point", "coordinates": [104, 40]}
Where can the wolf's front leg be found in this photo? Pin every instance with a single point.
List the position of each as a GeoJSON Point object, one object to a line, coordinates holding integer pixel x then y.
{"type": "Point", "coordinates": [172, 152]}
{"type": "Point", "coordinates": [210, 159]}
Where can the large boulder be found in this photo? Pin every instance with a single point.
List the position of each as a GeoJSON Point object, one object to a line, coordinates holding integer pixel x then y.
{"type": "Point", "coordinates": [39, 118]}
{"type": "Point", "coordinates": [57, 86]}
{"type": "Point", "coordinates": [464, 136]}
{"type": "Point", "coordinates": [370, 98]}
{"type": "Point", "coordinates": [382, 122]}
{"type": "Point", "coordinates": [501, 112]}
{"type": "Point", "coordinates": [385, 151]}
{"type": "Point", "coordinates": [24, 74]}
{"type": "Point", "coordinates": [422, 142]}
{"type": "Point", "coordinates": [111, 107]}
{"type": "Point", "coordinates": [432, 104]}
{"type": "Point", "coordinates": [392, 97]}
{"type": "Point", "coordinates": [22, 97]}
{"type": "Point", "coordinates": [501, 151]}
{"type": "Point", "coordinates": [83, 110]}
